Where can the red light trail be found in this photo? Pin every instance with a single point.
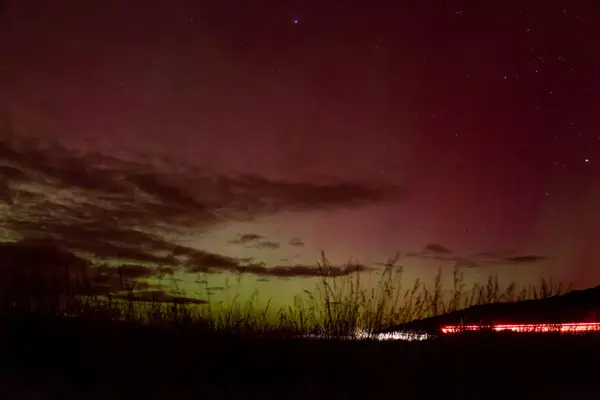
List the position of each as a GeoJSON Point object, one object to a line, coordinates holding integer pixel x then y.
{"type": "Point", "coordinates": [529, 328]}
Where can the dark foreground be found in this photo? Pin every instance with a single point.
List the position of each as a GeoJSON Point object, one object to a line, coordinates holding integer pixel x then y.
{"type": "Point", "coordinates": [45, 358]}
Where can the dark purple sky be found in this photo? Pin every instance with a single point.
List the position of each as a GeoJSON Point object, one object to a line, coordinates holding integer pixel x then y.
{"type": "Point", "coordinates": [358, 127]}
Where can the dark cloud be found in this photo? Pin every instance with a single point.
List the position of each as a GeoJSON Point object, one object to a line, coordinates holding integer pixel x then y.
{"type": "Point", "coordinates": [213, 263]}
{"type": "Point", "coordinates": [482, 259]}
{"type": "Point", "coordinates": [60, 268]}
{"type": "Point", "coordinates": [45, 266]}
{"type": "Point", "coordinates": [299, 271]}
{"type": "Point", "coordinates": [437, 248]}
{"type": "Point", "coordinates": [246, 238]}
{"type": "Point", "coordinates": [9, 174]}
{"type": "Point", "coordinates": [128, 271]}
{"type": "Point", "coordinates": [525, 259]}
{"type": "Point", "coordinates": [41, 268]}
{"type": "Point", "coordinates": [461, 262]}
{"type": "Point", "coordinates": [126, 277]}
{"type": "Point", "coordinates": [267, 244]}
{"type": "Point", "coordinates": [429, 255]}
{"type": "Point", "coordinates": [202, 261]}
{"type": "Point", "coordinates": [255, 240]}
{"type": "Point", "coordinates": [296, 242]}
{"type": "Point", "coordinates": [121, 208]}
{"type": "Point", "coordinates": [159, 296]}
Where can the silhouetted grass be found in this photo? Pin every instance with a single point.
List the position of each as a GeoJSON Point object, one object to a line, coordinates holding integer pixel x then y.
{"type": "Point", "coordinates": [337, 306]}
{"type": "Point", "coordinates": [64, 341]}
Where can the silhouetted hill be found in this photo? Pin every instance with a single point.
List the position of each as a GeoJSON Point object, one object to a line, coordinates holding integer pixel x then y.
{"type": "Point", "coordinates": [574, 306]}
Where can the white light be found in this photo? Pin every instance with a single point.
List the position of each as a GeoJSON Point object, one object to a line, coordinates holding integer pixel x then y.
{"type": "Point", "coordinates": [364, 335]}
{"type": "Point", "coordinates": [409, 336]}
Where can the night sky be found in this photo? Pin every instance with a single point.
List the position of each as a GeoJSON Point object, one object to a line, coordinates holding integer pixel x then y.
{"type": "Point", "coordinates": [209, 135]}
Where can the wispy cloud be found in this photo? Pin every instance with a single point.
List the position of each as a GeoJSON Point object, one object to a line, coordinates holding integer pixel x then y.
{"type": "Point", "coordinates": [437, 249]}
{"type": "Point", "coordinates": [25, 265]}
{"type": "Point", "coordinates": [122, 208]}
{"type": "Point", "coordinates": [246, 238]}
{"type": "Point", "coordinates": [477, 260]}
{"type": "Point", "coordinates": [296, 242]}
{"type": "Point", "coordinates": [212, 264]}
{"type": "Point", "coordinates": [255, 240]}
{"type": "Point", "coordinates": [267, 244]}
{"type": "Point", "coordinates": [528, 259]}
{"type": "Point", "coordinates": [205, 262]}
{"type": "Point", "coordinates": [463, 262]}
{"type": "Point", "coordinates": [160, 296]}
{"type": "Point", "coordinates": [305, 271]}
{"type": "Point", "coordinates": [299, 270]}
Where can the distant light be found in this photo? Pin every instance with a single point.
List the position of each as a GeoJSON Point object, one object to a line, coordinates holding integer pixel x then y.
{"type": "Point", "coordinates": [295, 21]}
{"type": "Point", "coordinates": [587, 160]}
{"type": "Point", "coordinates": [363, 335]}
{"type": "Point", "coordinates": [409, 336]}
